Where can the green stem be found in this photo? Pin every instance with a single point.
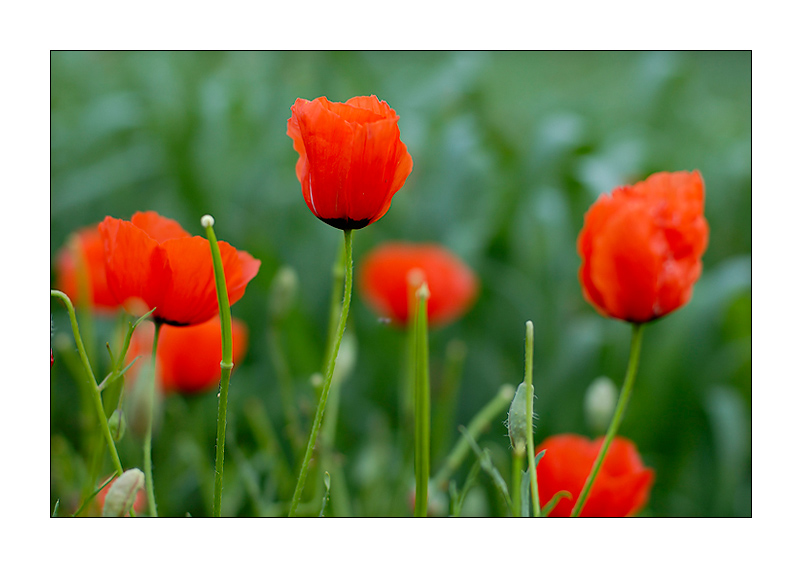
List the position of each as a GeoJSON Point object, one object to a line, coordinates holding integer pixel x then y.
{"type": "Point", "coordinates": [623, 399]}
{"type": "Point", "coordinates": [499, 403]}
{"type": "Point", "coordinates": [321, 407]}
{"type": "Point", "coordinates": [148, 442]}
{"type": "Point", "coordinates": [422, 404]}
{"type": "Point", "coordinates": [530, 401]}
{"type": "Point", "coordinates": [96, 398]}
{"type": "Point", "coordinates": [515, 490]}
{"type": "Point", "coordinates": [226, 365]}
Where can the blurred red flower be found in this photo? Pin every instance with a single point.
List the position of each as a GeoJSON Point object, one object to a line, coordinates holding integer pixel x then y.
{"type": "Point", "coordinates": [641, 247]}
{"type": "Point", "coordinates": [153, 260]}
{"type": "Point", "coordinates": [188, 358]}
{"type": "Point", "coordinates": [84, 251]}
{"type": "Point", "coordinates": [622, 485]}
{"type": "Point", "coordinates": [351, 160]}
{"type": "Point", "coordinates": [384, 281]}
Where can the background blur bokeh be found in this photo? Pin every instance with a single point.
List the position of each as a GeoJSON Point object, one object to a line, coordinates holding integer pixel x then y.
{"type": "Point", "coordinates": [509, 150]}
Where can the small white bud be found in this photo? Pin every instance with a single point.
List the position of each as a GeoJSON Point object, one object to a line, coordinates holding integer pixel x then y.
{"type": "Point", "coordinates": [600, 401]}
{"type": "Point", "coordinates": [207, 221]}
{"type": "Point", "coordinates": [122, 494]}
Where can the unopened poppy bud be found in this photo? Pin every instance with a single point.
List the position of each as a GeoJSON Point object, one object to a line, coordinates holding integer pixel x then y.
{"type": "Point", "coordinates": [600, 400]}
{"type": "Point", "coordinates": [117, 424]}
{"type": "Point", "coordinates": [122, 494]}
{"type": "Point", "coordinates": [517, 423]}
{"type": "Point", "coordinates": [282, 292]}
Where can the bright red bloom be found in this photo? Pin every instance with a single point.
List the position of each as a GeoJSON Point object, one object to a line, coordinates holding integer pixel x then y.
{"type": "Point", "coordinates": [188, 358]}
{"type": "Point", "coordinates": [641, 247]}
{"type": "Point", "coordinates": [152, 259]}
{"type": "Point", "coordinates": [84, 251]}
{"type": "Point", "coordinates": [384, 281]}
{"type": "Point", "coordinates": [622, 485]}
{"type": "Point", "coordinates": [351, 160]}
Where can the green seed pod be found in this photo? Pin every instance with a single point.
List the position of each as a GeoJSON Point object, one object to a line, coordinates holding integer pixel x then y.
{"type": "Point", "coordinates": [122, 494]}
{"type": "Point", "coordinates": [117, 424]}
{"type": "Point", "coordinates": [516, 420]}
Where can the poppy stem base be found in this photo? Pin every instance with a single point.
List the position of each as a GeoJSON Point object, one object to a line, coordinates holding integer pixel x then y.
{"type": "Point", "coordinates": [530, 412]}
{"type": "Point", "coordinates": [321, 406]}
{"type": "Point", "coordinates": [612, 430]}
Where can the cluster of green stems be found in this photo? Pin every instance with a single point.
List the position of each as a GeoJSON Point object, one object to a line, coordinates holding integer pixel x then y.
{"type": "Point", "coordinates": [418, 374]}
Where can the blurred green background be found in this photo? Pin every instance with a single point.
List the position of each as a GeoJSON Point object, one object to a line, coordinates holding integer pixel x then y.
{"type": "Point", "coordinates": [510, 149]}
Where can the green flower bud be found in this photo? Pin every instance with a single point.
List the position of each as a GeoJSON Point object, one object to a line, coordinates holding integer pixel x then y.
{"type": "Point", "coordinates": [516, 420]}
{"type": "Point", "coordinates": [122, 494]}
{"type": "Point", "coordinates": [117, 424]}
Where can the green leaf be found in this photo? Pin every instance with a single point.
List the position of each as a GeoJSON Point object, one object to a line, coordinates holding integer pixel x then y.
{"type": "Point", "coordinates": [327, 484]}
{"type": "Point", "coordinates": [457, 500]}
{"type": "Point", "coordinates": [487, 465]}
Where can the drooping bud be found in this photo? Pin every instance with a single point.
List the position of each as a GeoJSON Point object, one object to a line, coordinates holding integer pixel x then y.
{"type": "Point", "coordinates": [600, 401]}
{"type": "Point", "coordinates": [117, 424]}
{"type": "Point", "coordinates": [122, 494]}
{"type": "Point", "coordinates": [282, 293]}
{"type": "Point", "coordinates": [517, 423]}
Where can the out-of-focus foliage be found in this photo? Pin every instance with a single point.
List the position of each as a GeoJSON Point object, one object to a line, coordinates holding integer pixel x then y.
{"type": "Point", "coordinates": [510, 149]}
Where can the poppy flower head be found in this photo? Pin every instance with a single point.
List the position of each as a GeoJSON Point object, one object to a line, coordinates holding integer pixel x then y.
{"type": "Point", "coordinates": [641, 247]}
{"type": "Point", "coordinates": [152, 261]}
{"type": "Point", "coordinates": [82, 257]}
{"type": "Point", "coordinates": [385, 275]}
{"type": "Point", "coordinates": [188, 358]}
{"type": "Point", "coordinates": [351, 160]}
{"type": "Point", "coordinates": [622, 485]}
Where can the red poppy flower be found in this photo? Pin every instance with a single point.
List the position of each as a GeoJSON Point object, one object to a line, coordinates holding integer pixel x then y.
{"type": "Point", "coordinates": [641, 247]}
{"type": "Point", "coordinates": [384, 281]}
{"type": "Point", "coordinates": [188, 358]}
{"type": "Point", "coordinates": [153, 260]}
{"type": "Point", "coordinates": [351, 160]}
{"type": "Point", "coordinates": [622, 485]}
{"type": "Point", "coordinates": [84, 251]}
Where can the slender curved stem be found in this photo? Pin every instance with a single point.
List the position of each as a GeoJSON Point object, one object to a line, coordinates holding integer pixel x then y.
{"type": "Point", "coordinates": [226, 365]}
{"type": "Point", "coordinates": [148, 442]}
{"type": "Point", "coordinates": [321, 407]}
{"type": "Point", "coordinates": [422, 404]}
{"type": "Point", "coordinates": [530, 401]}
{"type": "Point", "coordinates": [96, 398]}
{"type": "Point", "coordinates": [623, 399]}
